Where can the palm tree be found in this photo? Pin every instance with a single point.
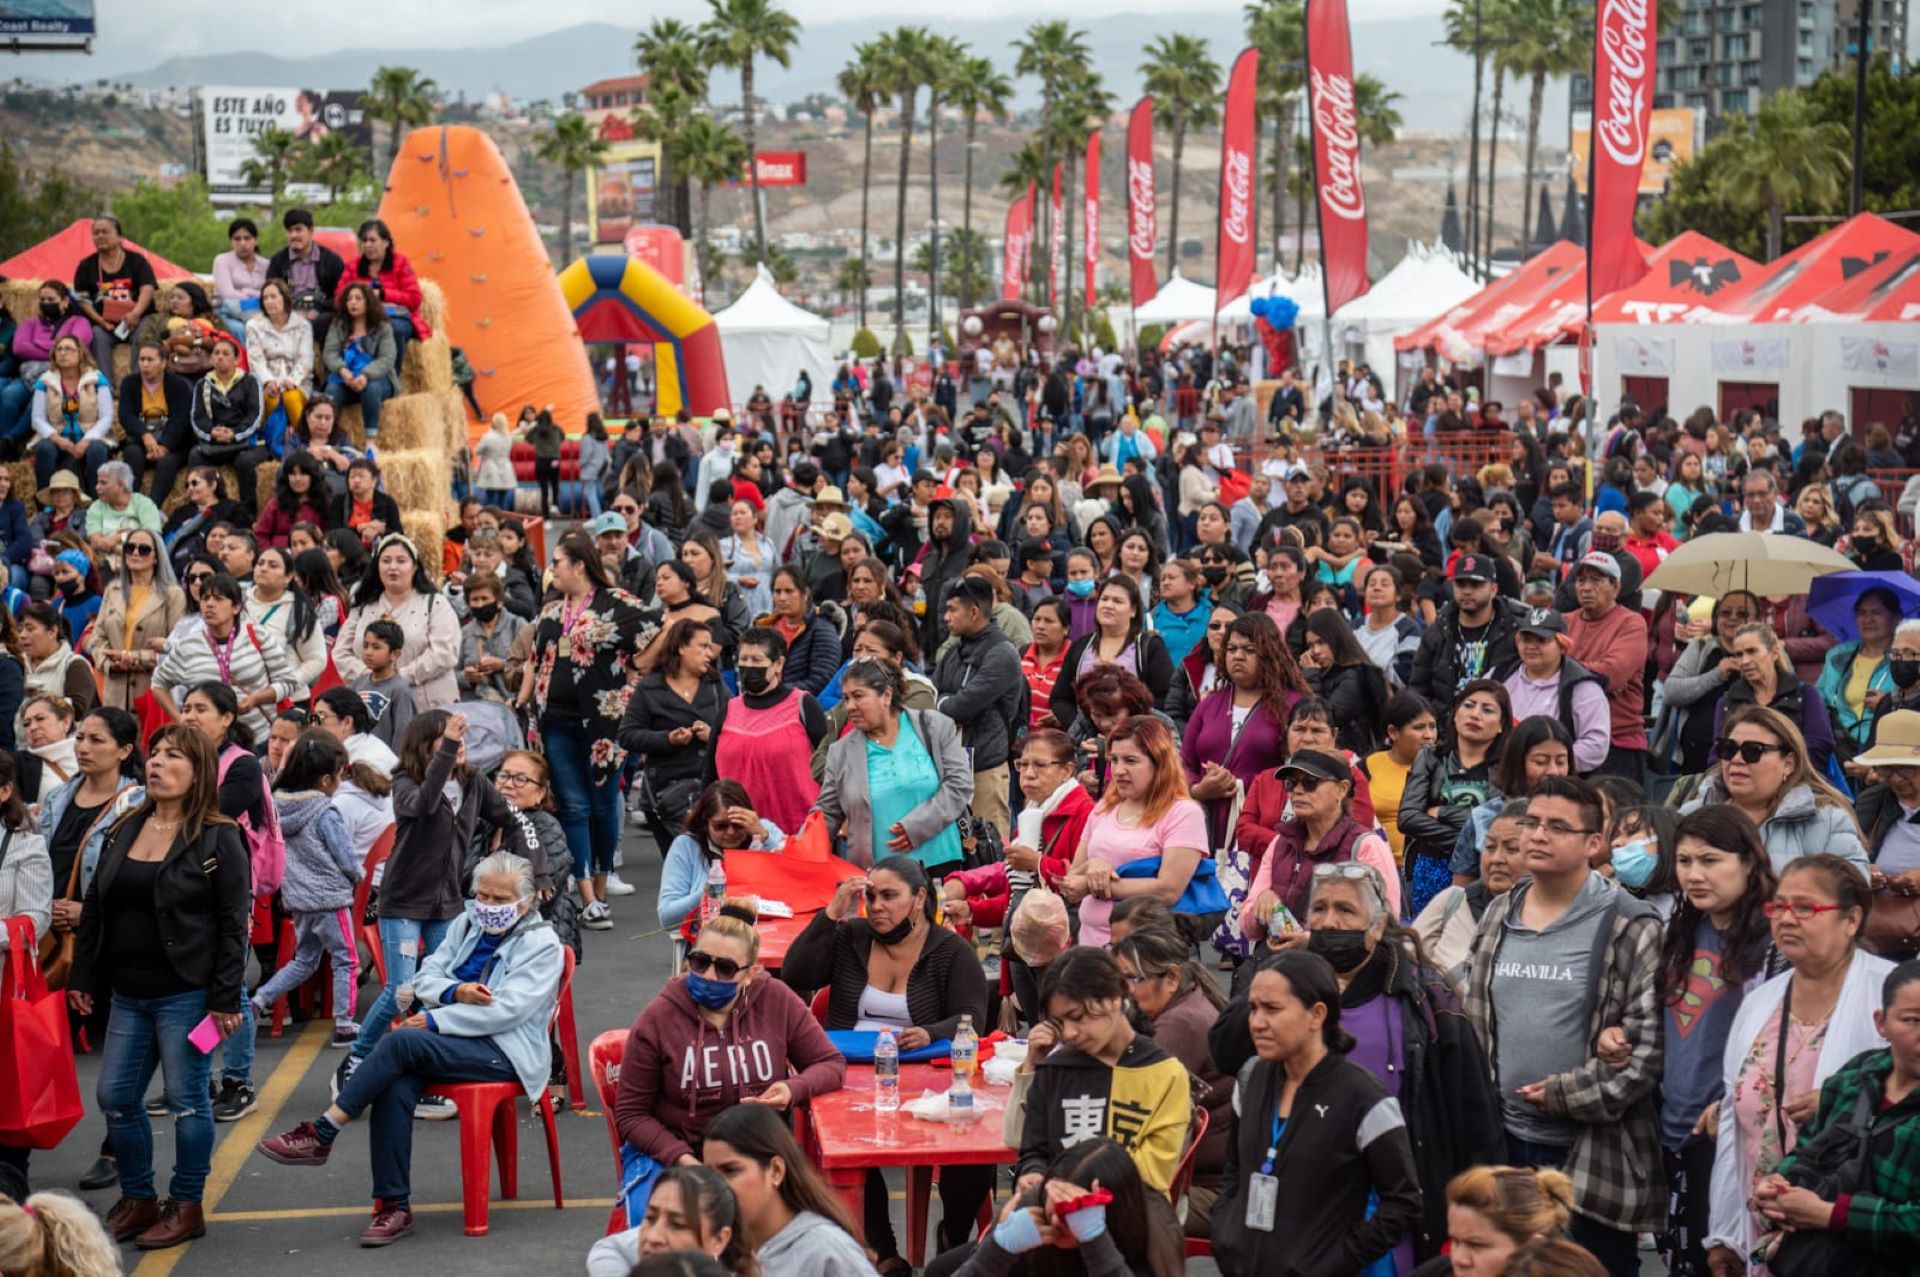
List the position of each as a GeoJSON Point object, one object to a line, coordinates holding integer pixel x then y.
{"type": "Point", "coordinates": [333, 162]}
{"type": "Point", "coordinates": [1374, 111]}
{"type": "Point", "coordinates": [860, 82]}
{"type": "Point", "coordinates": [276, 152]}
{"type": "Point", "coordinates": [1464, 25]}
{"type": "Point", "coordinates": [571, 144]}
{"type": "Point", "coordinates": [673, 57]}
{"type": "Point", "coordinates": [1027, 170]}
{"type": "Point", "coordinates": [1277, 28]}
{"type": "Point", "coordinates": [1056, 55]}
{"type": "Point", "coordinates": [1542, 40]}
{"type": "Point", "coordinates": [1184, 80]}
{"type": "Point", "coordinates": [945, 55]}
{"type": "Point", "coordinates": [1496, 27]}
{"type": "Point", "coordinates": [905, 60]}
{"type": "Point", "coordinates": [738, 32]}
{"type": "Point", "coordinates": [1788, 157]}
{"type": "Point", "coordinates": [399, 97]}
{"type": "Point", "coordinates": [851, 278]}
{"type": "Point", "coordinates": [709, 153]}
{"type": "Point", "coordinates": [1082, 109]}
{"type": "Point", "coordinates": [977, 88]}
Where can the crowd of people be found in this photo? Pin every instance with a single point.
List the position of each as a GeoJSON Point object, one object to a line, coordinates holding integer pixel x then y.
{"type": "Point", "coordinates": [1383, 877]}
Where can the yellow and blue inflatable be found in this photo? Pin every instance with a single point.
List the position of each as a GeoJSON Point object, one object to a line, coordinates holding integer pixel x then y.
{"type": "Point", "coordinates": [624, 299]}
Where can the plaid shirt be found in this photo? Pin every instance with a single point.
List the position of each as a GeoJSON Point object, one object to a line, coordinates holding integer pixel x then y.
{"type": "Point", "coordinates": [1615, 1166]}
{"type": "Point", "coordinates": [1883, 1218]}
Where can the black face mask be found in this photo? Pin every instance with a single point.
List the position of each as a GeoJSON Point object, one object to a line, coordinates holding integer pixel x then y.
{"type": "Point", "coordinates": [1344, 950]}
{"type": "Point", "coordinates": [50, 311]}
{"type": "Point", "coordinates": [753, 678]}
{"type": "Point", "coordinates": [1905, 673]}
{"type": "Point", "coordinates": [1866, 545]}
{"type": "Point", "coordinates": [1214, 574]}
{"type": "Point", "coordinates": [72, 587]}
{"type": "Point", "coordinates": [896, 936]}
{"type": "Point", "coordinates": [485, 612]}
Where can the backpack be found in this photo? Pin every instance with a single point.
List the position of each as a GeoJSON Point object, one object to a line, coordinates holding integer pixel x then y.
{"type": "Point", "coordinates": [266, 847]}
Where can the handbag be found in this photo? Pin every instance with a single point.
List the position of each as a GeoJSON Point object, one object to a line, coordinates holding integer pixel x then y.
{"type": "Point", "coordinates": [980, 843]}
{"type": "Point", "coordinates": [1893, 927]}
{"type": "Point", "coordinates": [1836, 1161]}
{"type": "Point", "coordinates": [39, 1088]}
{"type": "Point", "coordinates": [1204, 894]}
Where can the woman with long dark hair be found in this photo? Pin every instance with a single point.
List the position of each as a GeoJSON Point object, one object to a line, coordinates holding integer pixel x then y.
{"type": "Point", "coordinates": [222, 646]}
{"type": "Point", "coordinates": [1448, 780]}
{"type": "Point", "coordinates": [671, 721]}
{"type": "Point", "coordinates": [1059, 1225]}
{"type": "Point", "coordinates": [1347, 679]}
{"type": "Point", "coordinates": [1239, 730]}
{"type": "Point", "coordinates": [299, 496]}
{"type": "Point", "coordinates": [1537, 747]}
{"type": "Point", "coordinates": [1119, 637]}
{"type": "Point", "coordinates": [804, 1227]}
{"type": "Point", "coordinates": [362, 355]}
{"type": "Point", "coordinates": [389, 277]}
{"type": "Point", "coordinates": [722, 819]}
{"type": "Point", "coordinates": [277, 603]}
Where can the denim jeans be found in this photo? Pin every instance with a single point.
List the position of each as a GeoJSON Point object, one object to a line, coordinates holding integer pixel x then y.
{"type": "Point", "coordinates": [390, 1080]}
{"type": "Point", "coordinates": [47, 458]}
{"type": "Point", "coordinates": [236, 1053]}
{"type": "Point", "coordinates": [144, 1034]}
{"type": "Point", "coordinates": [1617, 1249]}
{"type": "Point", "coordinates": [396, 935]}
{"type": "Point", "coordinates": [377, 391]}
{"type": "Point", "coordinates": [16, 402]}
{"type": "Point", "coordinates": [589, 810]}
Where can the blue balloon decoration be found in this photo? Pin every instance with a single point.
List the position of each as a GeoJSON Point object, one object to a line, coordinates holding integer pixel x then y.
{"type": "Point", "coordinates": [1259, 307]}
{"type": "Point", "coordinates": [1282, 311]}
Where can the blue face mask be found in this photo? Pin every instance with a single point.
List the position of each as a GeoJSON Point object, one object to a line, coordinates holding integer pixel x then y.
{"type": "Point", "coordinates": [495, 919]}
{"type": "Point", "coordinates": [710, 994]}
{"type": "Point", "coordinates": [1080, 589]}
{"type": "Point", "coordinates": [1633, 864]}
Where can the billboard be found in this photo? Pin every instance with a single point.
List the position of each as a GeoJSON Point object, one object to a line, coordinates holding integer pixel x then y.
{"type": "Point", "coordinates": [27, 19]}
{"type": "Point", "coordinates": [781, 168]}
{"type": "Point", "coordinates": [1672, 135]}
{"type": "Point", "coordinates": [232, 118]}
{"type": "Point", "coordinates": [621, 191]}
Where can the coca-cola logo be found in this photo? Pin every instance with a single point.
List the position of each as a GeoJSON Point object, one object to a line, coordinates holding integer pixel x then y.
{"type": "Point", "coordinates": [1090, 240]}
{"type": "Point", "coordinates": [1236, 183]}
{"type": "Point", "coordinates": [1140, 228]}
{"type": "Point", "coordinates": [1620, 113]}
{"type": "Point", "coordinates": [1336, 124]}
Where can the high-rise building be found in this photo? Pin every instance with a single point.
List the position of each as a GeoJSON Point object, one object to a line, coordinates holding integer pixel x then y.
{"type": "Point", "coordinates": [1728, 56]}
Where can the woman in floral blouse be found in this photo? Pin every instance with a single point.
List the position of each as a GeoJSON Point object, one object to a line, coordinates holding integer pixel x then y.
{"type": "Point", "coordinates": [586, 653]}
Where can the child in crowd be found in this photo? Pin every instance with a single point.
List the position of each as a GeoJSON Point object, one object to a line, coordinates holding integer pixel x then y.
{"type": "Point", "coordinates": [322, 872]}
{"type": "Point", "coordinates": [383, 687]}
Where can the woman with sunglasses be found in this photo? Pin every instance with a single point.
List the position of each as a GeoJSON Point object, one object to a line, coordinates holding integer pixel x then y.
{"type": "Point", "coordinates": [722, 819]}
{"type": "Point", "coordinates": [138, 613]}
{"type": "Point", "coordinates": [1790, 1035]}
{"type": "Point", "coordinates": [1319, 832]}
{"type": "Point", "coordinates": [1701, 675]}
{"type": "Point", "coordinates": [1763, 768]}
{"type": "Point", "coordinates": [725, 1033]}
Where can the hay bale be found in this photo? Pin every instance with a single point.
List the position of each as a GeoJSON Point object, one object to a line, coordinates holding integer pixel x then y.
{"type": "Point", "coordinates": [453, 413]}
{"type": "Point", "coordinates": [352, 422]}
{"type": "Point", "coordinates": [427, 367]}
{"type": "Point", "coordinates": [433, 305]}
{"type": "Point", "coordinates": [427, 529]}
{"type": "Point", "coordinates": [420, 480]}
{"type": "Point", "coordinates": [265, 476]}
{"type": "Point", "coordinates": [21, 297]}
{"type": "Point", "coordinates": [409, 423]}
{"type": "Point", "coordinates": [24, 485]}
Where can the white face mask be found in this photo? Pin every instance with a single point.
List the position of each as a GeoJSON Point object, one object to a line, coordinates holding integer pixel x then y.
{"type": "Point", "coordinates": [495, 919]}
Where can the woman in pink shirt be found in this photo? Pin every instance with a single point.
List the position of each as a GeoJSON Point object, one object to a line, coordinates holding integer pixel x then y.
{"type": "Point", "coordinates": [1145, 813]}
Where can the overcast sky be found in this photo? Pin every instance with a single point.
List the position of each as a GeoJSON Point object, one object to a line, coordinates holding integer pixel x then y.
{"type": "Point", "coordinates": [137, 34]}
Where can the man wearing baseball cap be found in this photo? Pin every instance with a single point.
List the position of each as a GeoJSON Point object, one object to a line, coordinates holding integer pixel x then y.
{"type": "Point", "coordinates": [1889, 810]}
{"type": "Point", "coordinates": [1471, 638]}
{"type": "Point", "coordinates": [1297, 483]}
{"type": "Point", "coordinates": [1611, 640]}
{"type": "Point", "coordinates": [1548, 681]}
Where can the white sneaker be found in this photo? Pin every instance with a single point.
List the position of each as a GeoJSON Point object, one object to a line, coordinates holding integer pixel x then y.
{"type": "Point", "coordinates": [596, 917]}
{"type": "Point", "coordinates": [616, 887]}
{"type": "Point", "coordinates": [434, 1108]}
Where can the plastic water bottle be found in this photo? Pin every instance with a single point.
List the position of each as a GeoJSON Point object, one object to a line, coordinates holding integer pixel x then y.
{"type": "Point", "coordinates": [716, 891]}
{"type": "Point", "coordinates": [965, 1056]}
{"type": "Point", "coordinates": [886, 1073]}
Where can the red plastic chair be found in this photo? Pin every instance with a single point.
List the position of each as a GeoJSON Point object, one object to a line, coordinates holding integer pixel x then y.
{"type": "Point", "coordinates": [569, 1034]}
{"type": "Point", "coordinates": [369, 932]}
{"type": "Point", "coordinates": [487, 1116]}
{"type": "Point", "coordinates": [818, 1005]}
{"type": "Point", "coordinates": [1183, 1172]}
{"type": "Point", "coordinates": [603, 1057]}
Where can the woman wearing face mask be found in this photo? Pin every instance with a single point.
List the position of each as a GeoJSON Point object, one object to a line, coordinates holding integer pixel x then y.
{"type": "Point", "coordinates": [1876, 542]}
{"type": "Point", "coordinates": [896, 968]}
{"type": "Point", "coordinates": [485, 997]}
{"type": "Point", "coordinates": [1856, 677]}
{"type": "Point", "coordinates": [1701, 675]}
{"type": "Point", "coordinates": [1446, 783]}
{"type": "Point", "coordinates": [77, 586]}
{"type": "Point", "coordinates": [1354, 1189]}
{"type": "Point", "coordinates": [1641, 855]}
{"type": "Point", "coordinates": [767, 739]}
{"type": "Point", "coordinates": [741, 1036]}
{"type": "Point", "coordinates": [782, 1197]}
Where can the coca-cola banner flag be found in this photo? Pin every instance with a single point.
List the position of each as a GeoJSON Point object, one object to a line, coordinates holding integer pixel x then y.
{"type": "Point", "coordinates": [1336, 153]}
{"type": "Point", "coordinates": [1142, 230]}
{"type": "Point", "coordinates": [1018, 242]}
{"type": "Point", "coordinates": [1090, 232]}
{"type": "Point", "coordinates": [1235, 242]}
{"type": "Point", "coordinates": [1056, 239]}
{"type": "Point", "coordinates": [1622, 110]}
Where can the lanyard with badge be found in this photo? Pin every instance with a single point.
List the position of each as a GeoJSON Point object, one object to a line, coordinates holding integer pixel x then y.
{"type": "Point", "coordinates": [1263, 1187]}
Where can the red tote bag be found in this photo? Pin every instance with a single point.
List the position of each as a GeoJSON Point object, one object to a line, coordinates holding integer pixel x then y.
{"type": "Point", "coordinates": [39, 1089]}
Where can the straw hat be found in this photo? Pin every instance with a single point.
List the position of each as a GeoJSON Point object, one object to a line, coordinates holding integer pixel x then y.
{"type": "Point", "coordinates": [835, 527]}
{"type": "Point", "coordinates": [831, 497]}
{"type": "Point", "coordinates": [1106, 474]}
{"type": "Point", "coordinates": [62, 481]}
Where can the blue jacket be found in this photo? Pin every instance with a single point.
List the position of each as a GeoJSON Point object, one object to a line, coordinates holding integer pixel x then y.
{"type": "Point", "coordinates": [54, 806]}
{"type": "Point", "coordinates": [16, 534]}
{"type": "Point", "coordinates": [525, 982]}
{"type": "Point", "coordinates": [1858, 728]}
{"type": "Point", "coordinates": [683, 878]}
{"type": "Point", "coordinates": [1181, 630]}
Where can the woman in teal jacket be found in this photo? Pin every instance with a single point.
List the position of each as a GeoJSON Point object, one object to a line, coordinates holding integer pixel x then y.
{"type": "Point", "coordinates": [1856, 674]}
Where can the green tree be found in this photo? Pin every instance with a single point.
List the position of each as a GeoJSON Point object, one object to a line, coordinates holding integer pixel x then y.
{"type": "Point", "coordinates": [1082, 108]}
{"type": "Point", "coordinates": [1277, 28]}
{"type": "Point", "coordinates": [672, 56]}
{"type": "Point", "coordinates": [1185, 83]}
{"type": "Point", "coordinates": [1463, 26]}
{"type": "Point", "coordinates": [571, 145]}
{"type": "Point", "coordinates": [905, 59]}
{"type": "Point", "coordinates": [945, 55]}
{"type": "Point", "coordinates": [978, 88]}
{"type": "Point", "coordinates": [177, 222]}
{"type": "Point", "coordinates": [1890, 155]}
{"type": "Point", "coordinates": [1543, 40]}
{"type": "Point", "coordinates": [35, 205]}
{"type": "Point", "coordinates": [851, 279]}
{"type": "Point", "coordinates": [1495, 27]}
{"type": "Point", "coordinates": [662, 119]}
{"type": "Point", "coordinates": [334, 162]}
{"type": "Point", "coordinates": [1791, 158]}
{"type": "Point", "coordinates": [1057, 56]}
{"type": "Point", "coordinates": [710, 153]}
{"type": "Point", "coordinates": [738, 33]}
{"type": "Point", "coordinates": [862, 82]}
{"type": "Point", "coordinates": [965, 256]}
{"type": "Point", "coordinates": [400, 98]}
{"type": "Point", "coordinates": [276, 152]}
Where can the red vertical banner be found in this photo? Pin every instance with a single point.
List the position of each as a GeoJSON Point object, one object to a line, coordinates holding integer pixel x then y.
{"type": "Point", "coordinates": [1056, 239]}
{"type": "Point", "coordinates": [1622, 110]}
{"type": "Point", "coordinates": [1090, 232]}
{"type": "Point", "coordinates": [1342, 202]}
{"type": "Point", "coordinates": [1142, 229]}
{"type": "Point", "coordinates": [1234, 244]}
{"type": "Point", "coordinates": [1017, 240]}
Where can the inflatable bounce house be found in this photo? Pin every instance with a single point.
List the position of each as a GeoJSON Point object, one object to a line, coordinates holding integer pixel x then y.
{"type": "Point", "coordinates": [623, 299]}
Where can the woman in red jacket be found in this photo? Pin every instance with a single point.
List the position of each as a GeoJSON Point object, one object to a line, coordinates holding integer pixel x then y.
{"type": "Point", "coordinates": [392, 277]}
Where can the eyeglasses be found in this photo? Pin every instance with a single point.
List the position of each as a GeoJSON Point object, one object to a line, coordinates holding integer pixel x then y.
{"type": "Point", "coordinates": [1802, 910]}
{"type": "Point", "coordinates": [1041, 764]}
{"type": "Point", "coordinates": [1749, 751]}
{"type": "Point", "coordinates": [1349, 870]}
{"type": "Point", "coordinates": [1556, 828]}
{"type": "Point", "coordinates": [700, 963]}
{"type": "Point", "coordinates": [1736, 618]}
{"type": "Point", "coordinates": [137, 548]}
{"type": "Point", "coordinates": [516, 779]}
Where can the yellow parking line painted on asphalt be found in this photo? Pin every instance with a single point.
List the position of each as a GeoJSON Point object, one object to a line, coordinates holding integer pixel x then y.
{"type": "Point", "coordinates": [231, 1155]}
{"type": "Point", "coordinates": [427, 1208]}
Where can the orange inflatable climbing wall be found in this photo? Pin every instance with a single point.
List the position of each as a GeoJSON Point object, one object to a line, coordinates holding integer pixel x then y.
{"type": "Point", "coordinates": [457, 212]}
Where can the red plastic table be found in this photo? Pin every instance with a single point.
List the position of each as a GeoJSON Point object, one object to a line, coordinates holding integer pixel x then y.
{"type": "Point", "coordinates": [848, 1137]}
{"type": "Point", "coordinates": [777, 936]}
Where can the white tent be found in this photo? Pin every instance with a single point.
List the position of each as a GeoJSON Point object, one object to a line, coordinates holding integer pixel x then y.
{"type": "Point", "coordinates": [767, 341]}
{"type": "Point", "coordinates": [1178, 301]}
{"type": "Point", "coordinates": [1425, 283]}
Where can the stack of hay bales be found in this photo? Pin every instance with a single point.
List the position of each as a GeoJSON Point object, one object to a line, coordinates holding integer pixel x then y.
{"type": "Point", "coordinates": [416, 447]}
